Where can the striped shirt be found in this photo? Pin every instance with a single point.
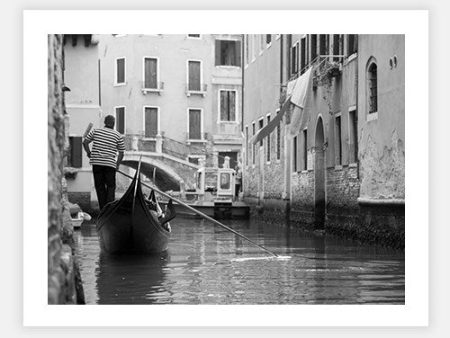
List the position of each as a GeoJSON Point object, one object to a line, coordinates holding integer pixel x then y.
{"type": "Point", "coordinates": [107, 142]}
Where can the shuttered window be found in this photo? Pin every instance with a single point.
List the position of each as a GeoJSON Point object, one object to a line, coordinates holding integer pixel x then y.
{"type": "Point", "coordinates": [352, 44]}
{"type": "Point", "coordinates": [120, 119]}
{"type": "Point", "coordinates": [195, 124]}
{"type": "Point", "coordinates": [313, 47]}
{"type": "Point", "coordinates": [120, 71]}
{"type": "Point", "coordinates": [323, 44]}
{"type": "Point", "coordinates": [151, 73]}
{"type": "Point", "coordinates": [194, 75]}
{"type": "Point", "coordinates": [151, 121]}
{"type": "Point", "coordinates": [303, 55]}
{"type": "Point", "coordinates": [75, 154]}
{"type": "Point", "coordinates": [228, 105]}
{"type": "Point", "coordinates": [337, 47]}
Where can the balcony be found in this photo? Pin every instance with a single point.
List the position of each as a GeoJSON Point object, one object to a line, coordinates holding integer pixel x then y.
{"type": "Point", "coordinates": [195, 89]}
{"type": "Point", "coordinates": [145, 87]}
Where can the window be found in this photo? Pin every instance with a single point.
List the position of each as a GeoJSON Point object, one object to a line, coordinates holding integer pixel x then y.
{"type": "Point", "coordinates": [228, 53]}
{"type": "Point", "coordinates": [278, 139]}
{"type": "Point", "coordinates": [303, 55]}
{"type": "Point", "coordinates": [324, 47]}
{"type": "Point", "coordinates": [261, 126]}
{"type": "Point", "coordinates": [246, 145]}
{"type": "Point", "coordinates": [253, 144]}
{"type": "Point", "coordinates": [151, 73]}
{"type": "Point", "coordinates": [227, 105]}
{"type": "Point", "coordinates": [75, 159]}
{"type": "Point", "coordinates": [194, 36]}
{"type": "Point", "coordinates": [120, 119]}
{"type": "Point", "coordinates": [337, 47]}
{"type": "Point", "coordinates": [233, 158]}
{"type": "Point", "coordinates": [268, 141]}
{"type": "Point", "coordinates": [294, 59]}
{"type": "Point", "coordinates": [195, 124]}
{"type": "Point", "coordinates": [120, 71]}
{"type": "Point", "coordinates": [305, 149]}
{"type": "Point", "coordinates": [194, 75]}
{"type": "Point", "coordinates": [268, 39]}
{"type": "Point", "coordinates": [352, 44]}
{"type": "Point", "coordinates": [353, 135]}
{"type": "Point", "coordinates": [313, 47]}
{"type": "Point", "coordinates": [195, 159]}
{"type": "Point", "coordinates": [372, 87]}
{"type": "Point", "coordinates": [151, 122]}
{"type": "Point", "coordinates": [338, 131]}
{"type": "Point", "coordinates": [247, 49]}
{"type": "Point", "coordinates": [294, 154]}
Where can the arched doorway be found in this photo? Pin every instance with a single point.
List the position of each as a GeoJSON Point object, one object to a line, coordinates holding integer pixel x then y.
{"type": "Point", "coordinates": [319, 177]}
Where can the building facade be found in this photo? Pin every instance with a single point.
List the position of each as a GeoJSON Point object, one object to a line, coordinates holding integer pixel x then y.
{"type": "Point", "coordinates": [83, 106]}
{"type": "Point", "coordinates": [314, 135]}
{"type": "Point", "coordinates": [175, 94]}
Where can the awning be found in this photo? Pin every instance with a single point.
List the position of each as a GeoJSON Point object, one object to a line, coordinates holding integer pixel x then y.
{"type": "Point", "coordinates": [272, 124]}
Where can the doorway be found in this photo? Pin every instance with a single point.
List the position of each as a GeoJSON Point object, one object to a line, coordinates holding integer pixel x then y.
{"type": "Point", "coordinates": [319, 177]}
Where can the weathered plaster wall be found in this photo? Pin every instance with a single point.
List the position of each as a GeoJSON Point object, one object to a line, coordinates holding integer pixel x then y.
{"type": "Point", "coordinates": [382, 138]}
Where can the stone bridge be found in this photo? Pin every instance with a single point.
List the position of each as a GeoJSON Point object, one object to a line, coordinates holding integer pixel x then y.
{"type": "Point", "coordinates": [172, 173]}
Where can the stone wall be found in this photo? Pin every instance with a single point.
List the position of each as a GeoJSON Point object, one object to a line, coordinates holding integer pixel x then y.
{"type": "Point", "coordinates": [64, 284]}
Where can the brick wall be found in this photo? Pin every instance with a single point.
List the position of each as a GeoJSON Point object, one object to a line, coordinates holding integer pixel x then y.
{"type": "Point", "coordinates": [64, 284]}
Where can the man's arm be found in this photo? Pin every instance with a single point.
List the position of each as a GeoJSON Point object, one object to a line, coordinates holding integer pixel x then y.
{"type": "Point", "coordinates": [119, 159]}
{"type": "Point", "coordinates": [86, 147]}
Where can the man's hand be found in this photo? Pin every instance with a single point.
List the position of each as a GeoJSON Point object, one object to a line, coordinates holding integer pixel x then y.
{"type": "Point", "coordinates": [117, 165]}
{"type": "Point", "coordinates": [88, 154]}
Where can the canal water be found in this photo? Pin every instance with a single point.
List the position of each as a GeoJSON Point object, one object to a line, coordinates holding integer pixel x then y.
{"type": "Point", "coordinates": [206, 264]}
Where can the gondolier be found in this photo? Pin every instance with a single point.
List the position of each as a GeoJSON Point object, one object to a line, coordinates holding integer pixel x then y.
{"type": "Point", "coordinates": [107, 143]}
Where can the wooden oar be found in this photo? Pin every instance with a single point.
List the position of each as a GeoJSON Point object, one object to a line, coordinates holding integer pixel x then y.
{"type": "Point", "coordinates": [203, 215]}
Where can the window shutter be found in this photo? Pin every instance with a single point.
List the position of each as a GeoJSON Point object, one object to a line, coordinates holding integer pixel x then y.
{"type": "Point", "coordinates": [76, 153]}
{"type": "Point", "coordinates": [194, 124]}
{"type": "Point", "coordinates": [120, 70]}
{"type": "Point", "coordinates": [232, 105]}
{"type": "Point", "coordinates": [151, 122]}
{"type": "Point", "coordinates": [238, 54]}
{"type": "Point", "coordinates": [194, 75]}
{"type": "Point", "coordinates": [218, 52]}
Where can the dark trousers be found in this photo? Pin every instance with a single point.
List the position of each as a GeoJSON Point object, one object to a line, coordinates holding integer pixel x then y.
{"type": "Point", "coordinates": [105, 184]}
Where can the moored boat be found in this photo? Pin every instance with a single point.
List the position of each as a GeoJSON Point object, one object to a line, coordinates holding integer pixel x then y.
{"type": "Point", "coordinates": [134, 224]}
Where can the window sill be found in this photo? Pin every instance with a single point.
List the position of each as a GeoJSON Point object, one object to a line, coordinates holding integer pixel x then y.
{"type": "Point", "coordinates": [353, 165]}
{"type": "Point", "coordinates": [228, 66]}
{"type": "Point", "coordinates": [149, 138]}
{"type": "Point", "coordinates": [196, 141]}
{"type": "Point", "coordinates": [372, 116]}
{"type": "Point", "coordinates": [227, 122]}
{"type": "Point", "coordinates": [195, 92]}
{"type": "Point", "coordinates": [120, 84]}
{"type": "Point", "coordinates": [338, 167]}
{"type": "Point", "coordinates": [151, 90]}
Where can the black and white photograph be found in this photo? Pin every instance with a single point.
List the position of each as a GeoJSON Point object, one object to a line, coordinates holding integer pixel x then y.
{"type": "Point", "coordinates": [229, 169]}
{"type": "Point", "coordinates": [241, 170]}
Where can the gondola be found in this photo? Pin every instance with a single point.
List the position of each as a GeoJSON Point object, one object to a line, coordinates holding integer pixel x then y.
{"type": "Point", "coordinates": [134, 224]}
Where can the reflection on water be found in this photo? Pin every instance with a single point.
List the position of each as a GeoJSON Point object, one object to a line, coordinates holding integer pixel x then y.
{"type": "Point", "coordinates": [206, 264]}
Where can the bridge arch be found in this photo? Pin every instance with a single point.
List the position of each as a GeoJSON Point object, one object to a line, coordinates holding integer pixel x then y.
{"type": "Point", "coordinates": [166, 177]}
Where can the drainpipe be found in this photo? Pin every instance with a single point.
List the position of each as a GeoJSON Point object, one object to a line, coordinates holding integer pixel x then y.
{"type": "Point", "coordinates": [242, 110]}
{"type": "Point", "coordinates": [242, 82]}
